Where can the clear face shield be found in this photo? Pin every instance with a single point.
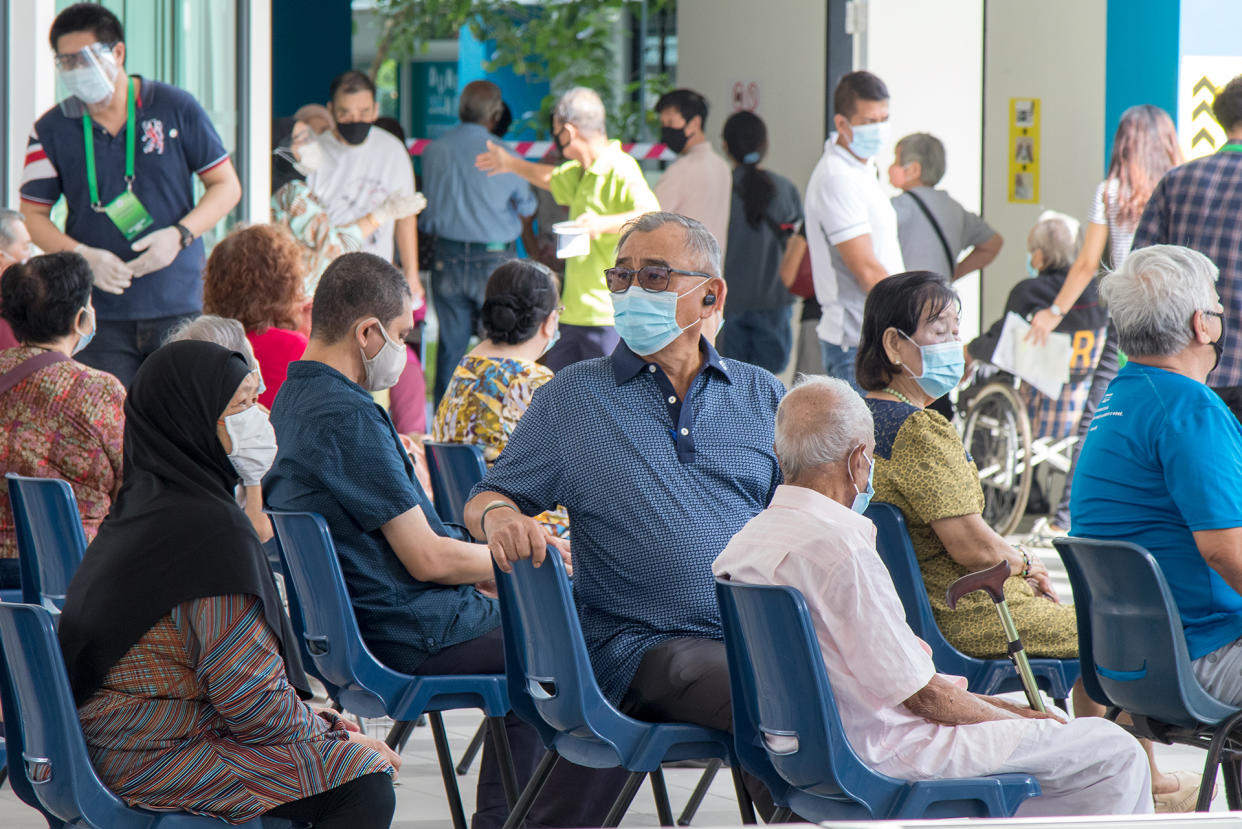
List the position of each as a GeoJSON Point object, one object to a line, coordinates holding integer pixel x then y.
{"type": "Point", "coordinates": [301, 149]}
{"type": "Point", "coordinates": [86, 79]}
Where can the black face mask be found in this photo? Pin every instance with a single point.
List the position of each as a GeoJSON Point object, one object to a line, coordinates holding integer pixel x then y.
{"type": "Point", "coordinates": [354, 133]}
{"type": "Point", "coordinates": [556, 136]}
{"type": "Point", "coordinates": [674, 137]}
{"type": "Point", "coordinates": [1219, 345]}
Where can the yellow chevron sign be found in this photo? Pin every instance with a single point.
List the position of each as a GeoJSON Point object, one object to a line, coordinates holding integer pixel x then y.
{"type": "Point", "coordinates": [1199, 78]}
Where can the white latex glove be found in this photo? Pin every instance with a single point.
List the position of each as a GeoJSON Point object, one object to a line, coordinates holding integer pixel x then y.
{"type": "Point", "coordinates": [398, 206]}
{"type": "Point", "coordinates": [161, 246]}
{"type": "Point", "coordinates": [111, 275]}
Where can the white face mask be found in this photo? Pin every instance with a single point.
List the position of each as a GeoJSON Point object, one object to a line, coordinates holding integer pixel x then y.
{"type": "Point", "coordinates": [254, 444]}
{"type": "Point", "coordinates": [92, 76]}
{"type": "Point", "coordinates": [384, 369]}
{"type": "Point", "coordinates": [309, 157]}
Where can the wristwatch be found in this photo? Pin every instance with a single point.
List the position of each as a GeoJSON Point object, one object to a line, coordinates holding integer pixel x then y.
{"type": "Point", "coordinates": [186, 236]}
{"type": "Point", "coordinates": [1056, 309]}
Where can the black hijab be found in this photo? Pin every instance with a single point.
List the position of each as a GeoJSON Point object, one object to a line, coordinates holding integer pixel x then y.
{"type": "Point", "coordinates": [175, 532]}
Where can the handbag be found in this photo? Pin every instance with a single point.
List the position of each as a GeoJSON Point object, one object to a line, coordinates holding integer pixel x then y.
{"type": "Point", "coordinates": [28, 367]}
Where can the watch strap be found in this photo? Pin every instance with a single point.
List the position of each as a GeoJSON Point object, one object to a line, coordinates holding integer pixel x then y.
{"type": "Point", "coordinates": [187, 238]}
{"type": "Point", "coordinates": [1056, 309]}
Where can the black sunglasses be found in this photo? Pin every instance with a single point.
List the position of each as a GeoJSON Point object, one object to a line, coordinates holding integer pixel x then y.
{"type": "Point", "coordinates": [652, 278]}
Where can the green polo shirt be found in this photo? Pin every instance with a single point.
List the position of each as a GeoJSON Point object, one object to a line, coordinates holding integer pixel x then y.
{"type": "Point", "coordinates": [613, 184]}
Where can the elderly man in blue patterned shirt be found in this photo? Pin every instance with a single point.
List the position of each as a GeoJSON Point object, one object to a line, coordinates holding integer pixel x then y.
{"type": "Point", "coordinates": [661, 452]}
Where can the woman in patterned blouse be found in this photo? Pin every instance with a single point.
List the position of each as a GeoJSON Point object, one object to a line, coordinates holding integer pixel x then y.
{"type": "Point", "coordinates": [493, 384]}
{"type": "Point", "coordinates": [180, 656]}
{"type": "Point", "coordinates": [63, 420]}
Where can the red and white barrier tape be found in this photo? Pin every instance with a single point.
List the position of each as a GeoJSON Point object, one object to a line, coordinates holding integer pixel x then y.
{"type": "Point", "coordinates": [538, 149]}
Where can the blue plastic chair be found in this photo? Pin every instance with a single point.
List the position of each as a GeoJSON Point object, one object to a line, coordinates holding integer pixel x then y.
{"type": "Point", "coordinates": [553, 687]}
{"type": "Point", "coordinates": [1056, 677]}
{"type": "Point", "coordinates": [781, 690]}
{"type": "Point", "coordinates": [455, 468]}
{"type": "Point", "coordinates": [40, 714]}
{"type": "Point", "coordinates": [1130, 638]}
{"type": "Point", "coordinates": [50, 539]}
{"type": "Point", "coordinates": [364, 685]}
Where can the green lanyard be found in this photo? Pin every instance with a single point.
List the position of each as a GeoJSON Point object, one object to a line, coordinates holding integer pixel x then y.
{"type": "Point", "coordinates": [1232, 147]}
{"type": "Point", "coordinates": [130, 140]}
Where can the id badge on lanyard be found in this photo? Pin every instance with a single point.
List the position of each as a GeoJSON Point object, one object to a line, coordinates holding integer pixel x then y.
{"type": "Point", "coordinates": [126, 212]}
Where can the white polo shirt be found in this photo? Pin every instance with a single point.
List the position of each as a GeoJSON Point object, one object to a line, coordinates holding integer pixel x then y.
{"type": "Point", "coordinates": [844, 200]}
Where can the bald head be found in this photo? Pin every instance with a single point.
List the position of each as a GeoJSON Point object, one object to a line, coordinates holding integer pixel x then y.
{"type": "Point", "coordinates": [819, 423]}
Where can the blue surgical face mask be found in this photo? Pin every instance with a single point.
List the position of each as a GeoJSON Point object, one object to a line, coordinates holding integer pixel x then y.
{"type": "Point", "coordinates": [553, 340]}
{"type": "Point", "coordinates": [943, 365]}
{"type": "Point", "coordinates": [863, 499]}
{"type": "Point", "coordinates": [648, 321]}
{"type": "Point", "coordinates": [1031, 270]}
{"type": "Point", "coordinates": [85, 339]}
{"type": "Point", "coordinates": [869, 139]}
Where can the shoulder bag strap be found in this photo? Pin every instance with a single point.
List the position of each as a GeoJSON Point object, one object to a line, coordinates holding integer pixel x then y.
{"type": "Point", "coordinates": [948, 251]}
{"type": "Point", "coordinates": [28, 367]}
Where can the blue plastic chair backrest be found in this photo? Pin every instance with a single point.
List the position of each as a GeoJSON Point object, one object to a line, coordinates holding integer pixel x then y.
{"type": "Point", "coordinates": [789, 710]}
{"type": "Point", "coordinates": [1130, 638]}
{"type": "Point", "coordinates": [892, 541]}
{"type": "Point", "coordinates": [329, 627]}
{"type": "Point", "coordinates": [552, 672]}
{"type": "Point", "coordinates": [50, 539]}
{"type": "Point", "coordinates": [455, 468]}
{"type": "Point", "coordinates": [54, 750]}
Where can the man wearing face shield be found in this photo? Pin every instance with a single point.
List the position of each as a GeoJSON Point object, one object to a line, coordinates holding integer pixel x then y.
{"type": "Point", "coordinates": [123, 151]}
{"type": "Point", "coordinates": [297, 154]}
{"type": "Point", "coordinates": [361, 168]}
{"type": "Point", "coordinates": [851, 227]}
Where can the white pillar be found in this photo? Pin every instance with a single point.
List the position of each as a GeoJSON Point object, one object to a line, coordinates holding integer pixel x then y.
{"type": "Point", "coordinates": [256, 187]}
{"type": "Point", "coordinates": [31, 82]}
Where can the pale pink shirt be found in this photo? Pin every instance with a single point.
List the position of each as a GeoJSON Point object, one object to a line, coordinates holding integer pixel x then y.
{"type": "Point", "coordinates": [874, 661]}
{"type": "Point", "coordinates": [699, 184]}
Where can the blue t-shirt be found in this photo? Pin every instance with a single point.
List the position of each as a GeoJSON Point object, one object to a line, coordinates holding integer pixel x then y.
{"type": "Point", "coordinates": [1163, 459]}
{"type": "Point", "coordinates": [175, 141]}
{"type": "Point", "coordinates": [341, 457]}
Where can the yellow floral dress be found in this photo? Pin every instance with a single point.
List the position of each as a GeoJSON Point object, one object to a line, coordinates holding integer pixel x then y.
{"type": "Point", "coordinates": [922, 468]}
{"type": "Point", "coordinates": [483, 402]}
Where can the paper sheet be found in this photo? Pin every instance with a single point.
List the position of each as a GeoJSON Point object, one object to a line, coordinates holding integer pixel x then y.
{"type": "Point", "coordinates": [1044, 367]}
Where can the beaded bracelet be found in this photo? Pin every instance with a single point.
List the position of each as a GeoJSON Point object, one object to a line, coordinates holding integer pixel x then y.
{"type": "Point", "coordinates": [1026, 563]}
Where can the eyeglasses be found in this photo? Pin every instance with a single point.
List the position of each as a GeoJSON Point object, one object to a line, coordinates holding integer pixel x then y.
{"type": "Point", "coordinates": [652, 278]}
{"type": "Point", "coordinates": [83, 58]}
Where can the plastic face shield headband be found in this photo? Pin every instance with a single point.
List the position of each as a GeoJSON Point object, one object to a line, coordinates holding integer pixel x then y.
{"type": "Point", "coordinates": [86, 78]}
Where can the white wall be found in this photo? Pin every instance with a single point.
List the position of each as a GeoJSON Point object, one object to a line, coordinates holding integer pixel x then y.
{"type": "Point", "coordinates": [32, 81]}
{"type": "Point", "coordinates": [778, 44]}
{"type": "Point", "coordinates": [255, 192]}
{"type": "Point", "coordinates": [930, 55]}
{"type": "Point", "coordinates": [1053, 50]}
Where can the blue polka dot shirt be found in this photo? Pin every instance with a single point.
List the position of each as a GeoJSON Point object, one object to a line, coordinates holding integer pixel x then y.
{"type": "Point", "coordinates": [655, 487]}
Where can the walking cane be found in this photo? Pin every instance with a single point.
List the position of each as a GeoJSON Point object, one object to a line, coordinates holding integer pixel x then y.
{"type": "Point", "coordinates": [992, 582]}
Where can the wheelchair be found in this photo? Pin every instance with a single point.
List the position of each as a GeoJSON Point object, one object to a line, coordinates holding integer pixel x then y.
{"type": "Point", "coordinates": [996, 431]}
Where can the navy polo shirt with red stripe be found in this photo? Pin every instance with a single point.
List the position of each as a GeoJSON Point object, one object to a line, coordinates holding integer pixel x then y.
{"type": "Point", "coordinates": [176, 140]}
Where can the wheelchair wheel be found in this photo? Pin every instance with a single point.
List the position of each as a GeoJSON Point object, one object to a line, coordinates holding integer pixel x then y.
{"type": "Point", "coordinates": [997, 434]}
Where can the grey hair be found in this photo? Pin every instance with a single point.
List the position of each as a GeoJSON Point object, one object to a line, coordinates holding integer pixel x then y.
{"type": "Point", "coordinates": [927, 150]}
{"type": "Point", "coordinates": [1153, 295]}
{"type": "Point", "coordinates": [480, 103]}
{"type": "Point", "coordinates": [1056, 235]}
{"type": "Point", "coordinates": [820, 422]}
{"type": "Point", "coordinates": [9, 219]}
{"type": "Point", "coordinates": [213, 329]}
{"type": "Point", "coordinates": [699, 240]}
{"type": "Point", "coordinates": [583, 108]}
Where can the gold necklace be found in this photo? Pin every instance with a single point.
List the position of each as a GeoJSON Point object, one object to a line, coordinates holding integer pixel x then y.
{"type": "Point", "coordinates": [898, 395]}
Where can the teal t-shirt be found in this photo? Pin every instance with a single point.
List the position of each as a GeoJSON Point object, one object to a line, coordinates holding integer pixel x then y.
{"type": "Point", "coordinates": [1163, 459]}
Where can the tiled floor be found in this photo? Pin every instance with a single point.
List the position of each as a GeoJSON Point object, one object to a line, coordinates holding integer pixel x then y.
{"type": "Point", "coordinates": [420, 792]}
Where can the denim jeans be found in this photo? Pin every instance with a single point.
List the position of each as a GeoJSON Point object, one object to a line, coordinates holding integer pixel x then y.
{"type": "Point", "coordinates": [458, 282]}
{"type": "Point", "coordinates": [839, 362]}
{"type": "Point", "coordinates": [762, 337]}
{"type": "Point", "coordinates": [120, 346]}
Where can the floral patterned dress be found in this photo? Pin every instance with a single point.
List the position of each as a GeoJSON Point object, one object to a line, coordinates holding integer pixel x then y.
{"type": "Point", "coordinates": [64, 421]}
{"type": "Point", "coordinates": [922, 468]}
{"type": "Point", "coordinates": [482, 405]}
